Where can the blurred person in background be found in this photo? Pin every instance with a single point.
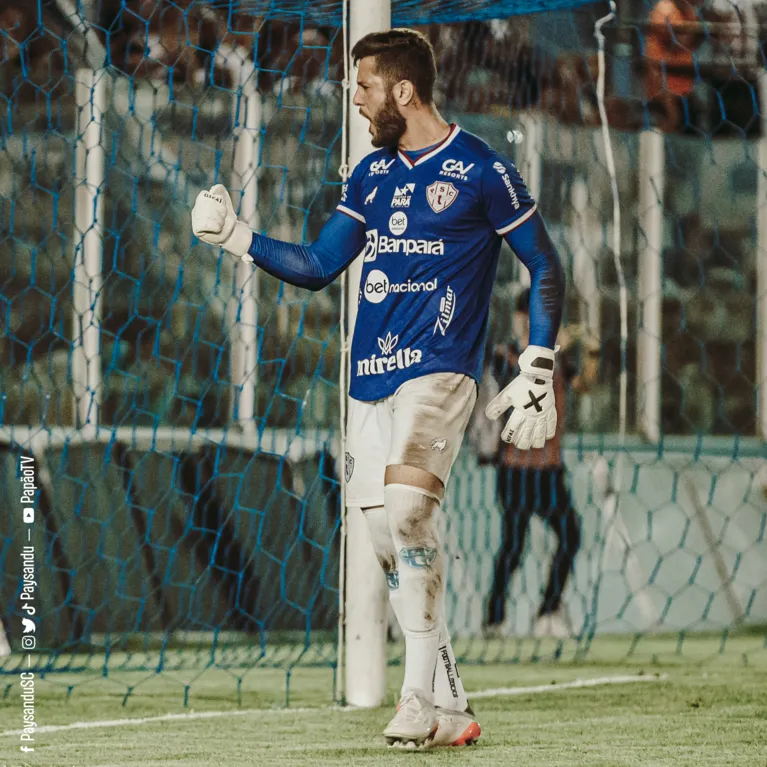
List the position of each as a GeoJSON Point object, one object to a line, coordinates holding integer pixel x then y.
{"type": "Point", "coordinates": [673, 35]}
{"type": "Point", "coordinates": [675, 82]}
{"type": "Point", "coordinates": [532, 481]}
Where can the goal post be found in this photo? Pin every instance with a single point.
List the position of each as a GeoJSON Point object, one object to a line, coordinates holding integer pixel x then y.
{"type": "Point", "coordinates": [366, 594]}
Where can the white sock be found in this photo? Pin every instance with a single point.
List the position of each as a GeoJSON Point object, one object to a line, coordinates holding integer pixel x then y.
{"type": "Point", "coordinates": [383, 545]}
{"type": "Point", "coordinates": [412, 515]}
{"type": "Point", "coordinates": [420, 663]}
{"type": "Point", "coordinates": [448, 687]}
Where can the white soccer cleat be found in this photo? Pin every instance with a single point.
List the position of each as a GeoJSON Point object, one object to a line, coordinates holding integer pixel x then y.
{"type": "Point", "coordinates": [456, 728]}
{"type": "Point", "coordinates": [552, 625]}
{"type": "Point", "coordinates": [415, 723]}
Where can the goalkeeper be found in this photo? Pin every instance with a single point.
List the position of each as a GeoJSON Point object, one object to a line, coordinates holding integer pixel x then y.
{"type": "Point", "coordinates": [429, 209]}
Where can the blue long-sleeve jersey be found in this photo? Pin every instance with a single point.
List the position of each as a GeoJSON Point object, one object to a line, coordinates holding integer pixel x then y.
{"type": "Point", "coordinates": [431, 231]}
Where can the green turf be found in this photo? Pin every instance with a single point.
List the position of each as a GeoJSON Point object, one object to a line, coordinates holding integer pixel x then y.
{"type": "Point", "coordinates": [711, 709]}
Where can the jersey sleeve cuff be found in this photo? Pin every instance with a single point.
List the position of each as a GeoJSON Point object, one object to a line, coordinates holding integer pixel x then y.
{"type": "Point", "coordinates": [517, 221]}
{"type": "Point", "coordinates": [352, 213]}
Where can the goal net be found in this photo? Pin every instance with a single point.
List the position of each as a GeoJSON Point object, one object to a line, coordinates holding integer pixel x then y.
{"type": "Point", "coordinates": [182, 412]}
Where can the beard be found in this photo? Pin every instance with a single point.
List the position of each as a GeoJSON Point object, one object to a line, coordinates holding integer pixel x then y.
{"type": "Point", "coordinates": [389, 125]}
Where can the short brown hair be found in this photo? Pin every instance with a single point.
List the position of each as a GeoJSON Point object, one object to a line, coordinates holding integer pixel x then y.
{"type": "Point", "coordinates": [401, 54]}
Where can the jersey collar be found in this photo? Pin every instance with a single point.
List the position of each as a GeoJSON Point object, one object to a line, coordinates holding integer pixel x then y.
{"type": "Point", "coordinates": [451, 136]}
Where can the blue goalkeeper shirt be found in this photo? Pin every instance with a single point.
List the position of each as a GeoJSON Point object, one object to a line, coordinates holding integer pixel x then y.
{"type": "Point", "coordinates": [433, 231]}
{"type": "Point", "coordinates": [431, 227]}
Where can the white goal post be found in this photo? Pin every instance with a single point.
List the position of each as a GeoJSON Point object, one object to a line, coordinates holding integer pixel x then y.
{"type": "Point", "coordinates": [362, 649]}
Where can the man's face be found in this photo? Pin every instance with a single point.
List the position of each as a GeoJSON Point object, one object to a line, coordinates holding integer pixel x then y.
{"type": "Point", "coordinates": [377, 104]}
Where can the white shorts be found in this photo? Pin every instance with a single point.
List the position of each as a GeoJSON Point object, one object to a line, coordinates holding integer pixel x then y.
{"type": "Point", "coordinates": [421, 424]}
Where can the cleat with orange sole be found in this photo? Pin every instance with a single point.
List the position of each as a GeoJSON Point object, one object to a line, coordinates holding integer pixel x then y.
{"type": "Point", "coordinates": [455, 728]}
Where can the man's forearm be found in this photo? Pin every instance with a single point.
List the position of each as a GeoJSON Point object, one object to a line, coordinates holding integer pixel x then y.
{"type": "Point", "coordinates": [547, 294]}
{"type": "Point", "coordinates": [294, 264]}
{"type": "Point", "coordinates": [537, 252]}
{"type": "Point", "coordinates": [311, 266]}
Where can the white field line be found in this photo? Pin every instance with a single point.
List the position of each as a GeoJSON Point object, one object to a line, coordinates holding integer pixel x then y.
{"type": "Point", "coordinates": [599, 681]}
{"type": "Point", "coordinates": [493, 693]}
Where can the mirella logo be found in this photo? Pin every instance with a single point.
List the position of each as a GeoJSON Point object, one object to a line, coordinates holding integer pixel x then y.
{"type": "Point", "coordinates": [389, 360]}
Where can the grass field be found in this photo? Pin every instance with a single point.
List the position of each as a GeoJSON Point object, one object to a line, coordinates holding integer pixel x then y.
{"type": "Point", "coordinates": [701, 707]}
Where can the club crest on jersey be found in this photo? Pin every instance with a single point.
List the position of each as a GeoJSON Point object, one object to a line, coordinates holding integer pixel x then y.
{"type": "Point", "coordinates": [441, 195]}
{"type": "Point", "coordinates": [401, 198]}
{"type": "Point", "coordinates": [380, 167]}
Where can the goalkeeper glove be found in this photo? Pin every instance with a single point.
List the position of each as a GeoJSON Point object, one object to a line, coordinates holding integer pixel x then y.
{"type": "Point", "coordinates": [531, 396]}
{"type": "Point", "coordinates": [215, 222]}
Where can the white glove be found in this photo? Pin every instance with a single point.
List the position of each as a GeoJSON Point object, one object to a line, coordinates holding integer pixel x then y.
{"type": "Point", "coordinates": [214, 221]}
{"type": "Point", "coordinates": [531, 395]}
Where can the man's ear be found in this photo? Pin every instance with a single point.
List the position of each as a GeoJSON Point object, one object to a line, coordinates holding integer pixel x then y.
{"type": "Point", "coordinates": [404, 93]}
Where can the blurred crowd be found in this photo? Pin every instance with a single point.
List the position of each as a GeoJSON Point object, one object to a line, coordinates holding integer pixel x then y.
{"type": "Point", "coordinates": [682, 53]}
{"type": "Point", "coordinates": [482, 64]}
{"type": "Point", "coordinates": [181, 41]}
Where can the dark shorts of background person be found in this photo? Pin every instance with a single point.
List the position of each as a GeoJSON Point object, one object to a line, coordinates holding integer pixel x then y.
{"type": "Point", "coordinates": [523, 492]}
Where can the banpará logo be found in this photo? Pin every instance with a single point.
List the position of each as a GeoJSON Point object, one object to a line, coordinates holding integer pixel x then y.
{"type": "Point", "coordinates": [378, 286]}
{"type": "Point", "coordinates": [401, 198]}
{"type": "Point", "coordinates": [380, 167]}
{"type": "Point", "coordinates": [398, 223]}
{"type": "Point", "coordinates": [409, 247]}
{"type": "Point", "coordinates": [456, 169]}
{"type": "Point", "coordinates": [388, 362]}
{"type": "Point", "coordinates": [446, 311]}
{"type": "Point", "coordinates": [376, 245]}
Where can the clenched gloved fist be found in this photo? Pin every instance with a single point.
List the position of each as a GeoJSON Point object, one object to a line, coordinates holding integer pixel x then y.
{"type": "Point", "coordinates": [531, 396]}
{"type": "Point", "coordinates": [215, 222]}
